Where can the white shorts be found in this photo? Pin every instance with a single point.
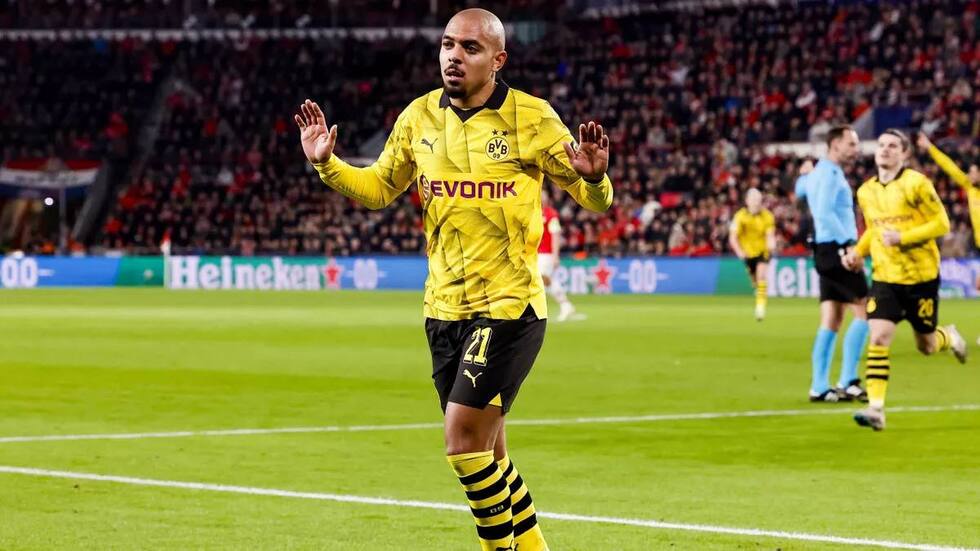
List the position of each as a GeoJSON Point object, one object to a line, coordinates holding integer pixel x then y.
{"type": "Point", "coordinates": [546, 264]}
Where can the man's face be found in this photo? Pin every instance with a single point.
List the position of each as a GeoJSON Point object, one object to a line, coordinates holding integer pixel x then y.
{"type": "Point", "coordinates": [889, 155]}
{"type": "Point", "coordinates": [974, 174]}
{"type": "Point", "coordinates": [468, 57]}
{"type": "Point", "coordinates": [846, 146]}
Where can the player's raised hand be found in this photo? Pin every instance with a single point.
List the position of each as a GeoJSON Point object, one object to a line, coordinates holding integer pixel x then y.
{"type": "Point", "coordinates": [923, 141]}
{"type": "Point", "coordinates": [806, 167]}
{"type": "Point", "coordinates": [317, 140]}
{"type": "Point", "coordinates": [591, 158]}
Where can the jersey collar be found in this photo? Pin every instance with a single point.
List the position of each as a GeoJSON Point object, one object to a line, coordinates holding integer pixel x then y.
{"type": "Point", "coordinates": [495, 101]}
{"type": "Point", "coordinates": [895, 179]}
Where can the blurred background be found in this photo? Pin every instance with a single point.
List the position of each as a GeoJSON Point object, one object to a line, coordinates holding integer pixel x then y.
{"type": "Point", "coordinates": [122, 123]}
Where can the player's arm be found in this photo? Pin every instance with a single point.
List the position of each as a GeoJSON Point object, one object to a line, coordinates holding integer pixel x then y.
{"type": "Point", "coordinates": [734, 230]}
{"type": "Point", "coordinates": [374, 186]}
{"type": "Point", "coordinates": [771, 241]}
{"type": "Point", "coordinates": [555, 228]}
{"type": "Point", "coordinates": [854, 258]}
{"type": "Point", "coordinates": [937, 224]}
{"type": "Point", "coordinates": [579, 170]}
{"type": "Point", "coordinates": [945, 163]}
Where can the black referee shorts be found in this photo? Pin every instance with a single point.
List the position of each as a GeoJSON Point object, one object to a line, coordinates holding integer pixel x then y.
{"type": "Point", "coordinates": [837, 283]}
{"type": "Point", "coordinates": [480, 362]}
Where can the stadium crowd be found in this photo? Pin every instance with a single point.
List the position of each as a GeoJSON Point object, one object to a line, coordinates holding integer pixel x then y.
{"type": "Point", "coordinates": [690, 101]}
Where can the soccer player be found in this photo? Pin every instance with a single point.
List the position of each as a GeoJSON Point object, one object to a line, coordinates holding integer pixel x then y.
{"type": "Point", "coordinates": [549, 257]}
{"type": "Point", "coordinates": [752, 236]}
{"type": "Point", "coordinates": [477, 151]}
{"type": "Point", "coordinates": [826, 191]}
{"type": "Point", "coordinates": [903, 216]}
{"type": "Point", "coordinates": [969, 182]}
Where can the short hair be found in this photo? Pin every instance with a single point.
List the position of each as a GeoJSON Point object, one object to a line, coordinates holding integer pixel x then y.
{"type": "Point", "coordinates": [837, 132]}
{"type": "Point", "coordinates": [902, 137]}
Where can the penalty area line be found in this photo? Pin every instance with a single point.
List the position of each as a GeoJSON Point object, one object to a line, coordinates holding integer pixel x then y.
{"type": "Point", "coordinates": [624, 419]}
{"type": "Point", "coordinates": [565, 517]}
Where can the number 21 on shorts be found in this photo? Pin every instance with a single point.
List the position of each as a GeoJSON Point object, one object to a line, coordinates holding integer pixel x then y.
{"type": "Point", "coordinates": [480, 342]}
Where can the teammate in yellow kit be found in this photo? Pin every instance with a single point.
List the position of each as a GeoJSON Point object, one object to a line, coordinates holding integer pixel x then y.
{"type": "Point", "coordinates": [970, 182]}
{"type": "Point", "coordinates": [752, 236]}
{"type": "Point", "coordinates": [477, 151]}
{"type": "Point", "coordinates": [903, 217]}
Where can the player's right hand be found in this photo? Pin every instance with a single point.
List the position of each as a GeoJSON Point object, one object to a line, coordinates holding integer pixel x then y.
{"type": "Point", "coordinates": [806, 167]}
{"type": "Point", "coordinates": [317, 140]}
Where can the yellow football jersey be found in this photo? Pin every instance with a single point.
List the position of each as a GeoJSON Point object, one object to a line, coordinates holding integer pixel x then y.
{"type": "Point", "coordinates": [961, 178]}
{"type": "Point", "coordinates": [478, 173]}
{"type": "Point", "coordinates": [908, 204]}
{"type": "Point", "coordinates": [751, 230]}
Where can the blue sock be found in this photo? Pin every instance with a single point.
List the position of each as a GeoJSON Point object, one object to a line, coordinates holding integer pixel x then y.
{"type": "Point", "coordinates": [854, 341]}
{"type": "Point", "coordinates": [823, 353]}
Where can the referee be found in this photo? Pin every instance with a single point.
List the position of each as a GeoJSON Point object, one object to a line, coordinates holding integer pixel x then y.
{"type": "Point", "coordinates": [831, 203]}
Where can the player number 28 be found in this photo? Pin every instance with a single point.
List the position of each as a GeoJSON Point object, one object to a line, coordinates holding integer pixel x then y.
{"type": "Point", "coordinates": [481, 339]}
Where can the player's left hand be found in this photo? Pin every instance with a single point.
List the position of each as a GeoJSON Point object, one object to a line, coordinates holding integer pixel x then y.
{"type": "Point", "coordinates": [591, 158]}
{"type": "Point", "coordinates": [891, 238]}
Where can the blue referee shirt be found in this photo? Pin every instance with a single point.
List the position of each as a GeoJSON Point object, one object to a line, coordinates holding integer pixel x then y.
{"type": "Point", "coordinates": [831, 203]}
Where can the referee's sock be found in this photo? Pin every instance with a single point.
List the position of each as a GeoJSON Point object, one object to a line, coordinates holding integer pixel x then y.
{"type": "Point", "coordinates": [488, 495]}
{"type": "Point", "coordinates": [823, 353]}
{"type": "Point", "coordinates": [527, 532]}
{"type": "Point", "coordinates": [854, 341]}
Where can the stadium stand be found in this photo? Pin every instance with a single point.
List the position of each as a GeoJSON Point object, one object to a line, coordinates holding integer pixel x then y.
{"type": "Point", "coordinates": [691, 107]}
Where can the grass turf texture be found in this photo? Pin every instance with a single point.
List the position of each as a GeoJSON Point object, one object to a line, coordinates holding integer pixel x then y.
{"type": "Point", "coordinates": [106, 361]}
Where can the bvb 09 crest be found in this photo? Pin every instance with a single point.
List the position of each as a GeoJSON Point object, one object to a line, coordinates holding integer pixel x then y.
{"type": "Point", "coordinates": [497, 147]}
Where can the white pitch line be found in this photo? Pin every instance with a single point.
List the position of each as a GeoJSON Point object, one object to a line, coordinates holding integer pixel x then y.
{"type": "Point", "coordinates": [510, 422]}
{"type": "Point", "coordinates": [707, 528]}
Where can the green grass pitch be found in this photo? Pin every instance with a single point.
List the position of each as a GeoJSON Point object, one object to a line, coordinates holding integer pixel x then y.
{"type": "Point", "coordinates": [125, 361]}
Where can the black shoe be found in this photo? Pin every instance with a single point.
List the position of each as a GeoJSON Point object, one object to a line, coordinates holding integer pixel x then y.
{"type": "Point", "coordinates": [825, 396]}
{"type": "Point", "coordinates": [851, 392]}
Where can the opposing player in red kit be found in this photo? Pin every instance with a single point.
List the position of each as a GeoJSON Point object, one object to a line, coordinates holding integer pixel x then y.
{"type": "Point", "coordinates": [549, 255]}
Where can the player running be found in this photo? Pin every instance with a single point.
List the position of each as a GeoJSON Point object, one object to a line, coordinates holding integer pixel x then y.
{"type": "Point", "coordinates": [903, 216]}
{"type": "Point", "coordinates": [752, 236]}
{"type": "Point", "coordinates": [831, 203]}
{"type": "Point", "coordinates": [478, 151]}
{"type": "Point", "coordinates": [549, 258]}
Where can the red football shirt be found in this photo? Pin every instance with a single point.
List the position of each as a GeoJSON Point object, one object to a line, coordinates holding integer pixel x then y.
{"type": "Point", "coordinates": [550, 218]}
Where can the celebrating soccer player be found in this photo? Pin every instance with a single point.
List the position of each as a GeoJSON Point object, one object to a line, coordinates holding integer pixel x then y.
{"type": "Point", "coordinates": [753, 238]}
{"type": "Point", "coordinates": [969, 182]}
{"type": "Point", "coordinates": [904, 216]}
{"type": "Point", "coordinates": [831, 203]}
{"type": "Point", "coordinates": [478, 151]}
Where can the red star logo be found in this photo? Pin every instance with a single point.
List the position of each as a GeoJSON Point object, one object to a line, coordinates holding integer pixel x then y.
{"type": "Point", "coordinates": [332, 272]}
{"type": "Point", "coordinates": [603, 274]}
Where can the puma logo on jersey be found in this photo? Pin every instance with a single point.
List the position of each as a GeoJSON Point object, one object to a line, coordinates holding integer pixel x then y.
{"type": "Point", "coordinates": [471, 376]}
{"type": "Point", "coordinates": [432, 144]}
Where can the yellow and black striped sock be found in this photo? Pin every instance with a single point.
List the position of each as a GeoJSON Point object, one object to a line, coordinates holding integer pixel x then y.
{"type": "Point", "coordinates": [489, 497]}
{"type": "Point", "coordinates": [761, 293]}
{"type": "Point", "coordinates": [943, 341]}
{"type": "Point", "coordinates": [877, 375]}
{"type": "Point", "coordinates": [527, 532]}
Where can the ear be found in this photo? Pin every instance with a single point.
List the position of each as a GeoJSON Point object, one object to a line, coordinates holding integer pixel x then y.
{"type": "Point", "coordinates": [499, 59]}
